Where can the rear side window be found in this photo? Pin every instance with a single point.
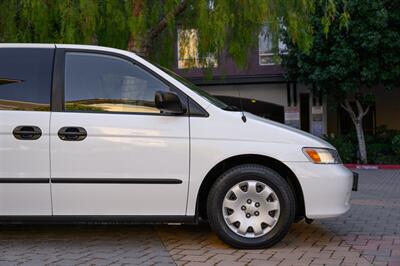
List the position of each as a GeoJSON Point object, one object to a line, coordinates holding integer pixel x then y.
{"type": "Point", "coordinates": [103, 83]}
{"type": "Point", "coordinates": [25, 78]}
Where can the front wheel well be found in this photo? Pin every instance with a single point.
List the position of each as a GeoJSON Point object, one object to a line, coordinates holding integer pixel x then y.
{"type": "Point", "coordinates": [272, 163]}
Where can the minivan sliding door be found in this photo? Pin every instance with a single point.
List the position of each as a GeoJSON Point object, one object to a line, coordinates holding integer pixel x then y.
{"type": "Point", "coordinates": [25, 85]}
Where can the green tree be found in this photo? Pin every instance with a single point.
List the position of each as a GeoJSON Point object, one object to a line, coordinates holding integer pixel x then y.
{"type": "Point", "coordinates": [149, 27]}
{"type": "Point", "coordinates": [350, 60]}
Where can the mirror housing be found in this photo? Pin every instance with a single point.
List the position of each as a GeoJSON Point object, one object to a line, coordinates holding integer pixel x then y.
{"type": "Point", "coordinates": [169, 102]}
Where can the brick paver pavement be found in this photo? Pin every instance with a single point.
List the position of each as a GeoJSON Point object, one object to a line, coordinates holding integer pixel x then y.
{"type": "Point", "coordinates": [305, 245]}
{"type": "Point", "coordinates": [81, 245]}
{"type": "Point", "coordinates": [372, 226]}
{"type": "Point", "coordinates": [368, 235]}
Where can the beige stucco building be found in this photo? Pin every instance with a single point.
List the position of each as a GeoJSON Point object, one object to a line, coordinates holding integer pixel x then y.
{"type": "Point", "coordinates": [261, 88]}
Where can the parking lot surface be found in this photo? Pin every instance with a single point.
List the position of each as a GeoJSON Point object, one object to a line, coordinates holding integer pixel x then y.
{"type": "Point", "coordinates": [369, 234]}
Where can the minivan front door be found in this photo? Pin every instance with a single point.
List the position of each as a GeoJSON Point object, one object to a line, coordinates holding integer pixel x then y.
{"type": "Point", "coordinates": [25, 86]}
{"type": "Point", "coordinates": [112, 151]}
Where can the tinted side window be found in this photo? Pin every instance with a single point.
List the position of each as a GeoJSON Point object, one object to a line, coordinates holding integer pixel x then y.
{"type": "Point", "coordinates": [25, 78]}
{"type": "Point", "coordinates": [95, 82]}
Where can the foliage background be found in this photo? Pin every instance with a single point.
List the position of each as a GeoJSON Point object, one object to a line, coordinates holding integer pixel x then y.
{"type": "Point", "coordinates": [149, 27]}
{"type": "Point", "coordinates": [352, 61]}
{"type": "Point", "coordinates": [383, 146]}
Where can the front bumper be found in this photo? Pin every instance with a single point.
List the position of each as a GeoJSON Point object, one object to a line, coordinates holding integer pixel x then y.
{"type": "Point", "coordinates": [355, 181]}
{"type": "Point", "coordinates": [326, 188]}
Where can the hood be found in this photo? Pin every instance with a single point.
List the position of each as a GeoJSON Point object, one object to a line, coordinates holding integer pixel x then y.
{"type": "Point", "coordinates": [272, 131]}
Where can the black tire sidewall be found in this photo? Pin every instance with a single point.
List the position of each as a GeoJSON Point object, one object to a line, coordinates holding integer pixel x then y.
{"type": "Point", "coordinates": [258, 173]}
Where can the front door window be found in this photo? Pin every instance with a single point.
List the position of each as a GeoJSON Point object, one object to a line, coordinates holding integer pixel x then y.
{"type": "Point", "coordinates": [102, 83]}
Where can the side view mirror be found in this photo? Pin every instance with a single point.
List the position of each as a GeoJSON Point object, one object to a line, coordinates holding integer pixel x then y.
{"type": "Point", "coordinates": [169, 102]}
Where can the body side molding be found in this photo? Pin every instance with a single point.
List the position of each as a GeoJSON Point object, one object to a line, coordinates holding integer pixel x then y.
{"type": "Point", "coordinates": [115, 181]}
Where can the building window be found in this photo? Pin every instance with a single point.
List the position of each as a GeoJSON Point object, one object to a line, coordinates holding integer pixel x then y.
{"type": "Point", "coordinates": [188, 54]}
{"type": "Point", "coordinates": [266, 55]}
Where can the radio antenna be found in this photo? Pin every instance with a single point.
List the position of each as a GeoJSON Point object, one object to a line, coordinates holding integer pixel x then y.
{"type": "Point", "coordinates": [244, 119]}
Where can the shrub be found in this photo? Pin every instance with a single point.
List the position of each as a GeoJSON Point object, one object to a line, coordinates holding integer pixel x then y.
{"type": "Point", "coordinates": [344, 146]}
{"type": "Point", "coordinates": [383, 147]}
{"type": "Point", "coordinates": [396, 144]}
{"type": "Point", "coordinates": [380, 153]}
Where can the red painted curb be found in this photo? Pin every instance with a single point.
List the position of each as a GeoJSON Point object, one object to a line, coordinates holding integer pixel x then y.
{"type": "Point", "coordinates": [373, 166]}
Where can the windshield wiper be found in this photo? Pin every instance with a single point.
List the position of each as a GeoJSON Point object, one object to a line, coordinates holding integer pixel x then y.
{"type": "Point", "coordinates": [231, 108]}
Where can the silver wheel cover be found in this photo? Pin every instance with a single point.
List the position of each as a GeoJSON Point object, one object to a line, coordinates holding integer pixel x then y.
{"type": "Point", "coordinates": [251, 209]}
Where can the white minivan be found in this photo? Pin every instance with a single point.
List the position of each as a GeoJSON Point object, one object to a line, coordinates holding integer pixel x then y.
{"type": "Point", "coordinates": [90, 133]}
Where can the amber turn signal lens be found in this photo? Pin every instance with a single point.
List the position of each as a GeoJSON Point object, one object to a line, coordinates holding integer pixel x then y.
{"type": "Point", "coordinates": [322, 155]}
{"type": "Point", "coordinates": [313, 154]}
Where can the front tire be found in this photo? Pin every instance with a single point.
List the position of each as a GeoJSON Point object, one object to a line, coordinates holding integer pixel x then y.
{"type": "Point", "coordinates": [250, 206]}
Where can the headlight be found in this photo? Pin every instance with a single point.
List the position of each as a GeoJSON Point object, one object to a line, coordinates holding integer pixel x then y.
{"type": "Point", "coordinates": [322, 156]}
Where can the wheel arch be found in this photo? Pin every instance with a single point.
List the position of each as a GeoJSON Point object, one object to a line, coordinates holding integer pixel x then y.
{"type": "Point", "coordinates": [274, 164]}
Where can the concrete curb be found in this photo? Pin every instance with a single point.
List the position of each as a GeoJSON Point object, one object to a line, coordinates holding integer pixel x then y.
{"type": "Point", "coordinates": [373, 166]}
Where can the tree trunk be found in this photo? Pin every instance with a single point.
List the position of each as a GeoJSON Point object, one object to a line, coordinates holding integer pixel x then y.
{"type": "Point", "coordinates": [142, 45]}
{"type": "Point", "coordinates": [135, 43]}
{"type": "Point", "coordinates": [358, 124]}
{"type": "Point", "coordinates": [361, 141]}
{"type": "Point", "coordinates": [138, 47]}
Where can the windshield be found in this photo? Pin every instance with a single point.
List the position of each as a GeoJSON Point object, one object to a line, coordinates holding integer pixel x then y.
{"type": "Point", "coordinates": [200, 92]}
